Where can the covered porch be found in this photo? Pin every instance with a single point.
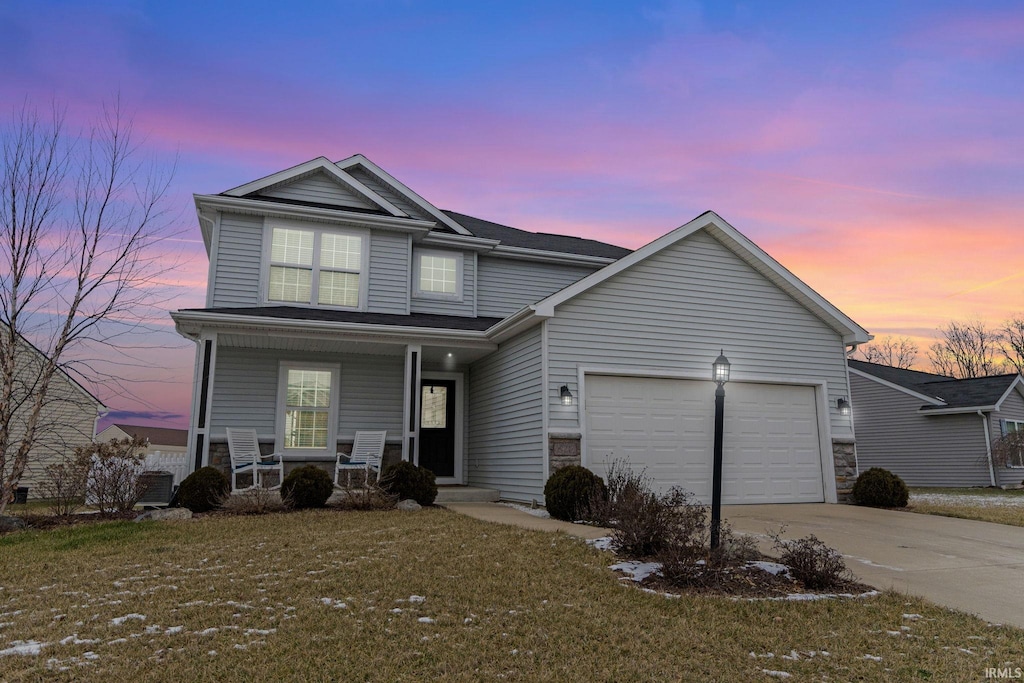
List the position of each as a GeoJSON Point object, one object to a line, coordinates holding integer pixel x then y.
{"type": "Point", "coordinates": [307, 390]}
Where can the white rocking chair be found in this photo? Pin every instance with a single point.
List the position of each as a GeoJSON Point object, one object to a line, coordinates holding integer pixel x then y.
{"type": "Point", "coordinates": [367, 455]}
{"type": "Point", "coordinates": [244, 448]}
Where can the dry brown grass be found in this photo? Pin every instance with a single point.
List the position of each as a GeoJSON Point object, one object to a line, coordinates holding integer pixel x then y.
{"type": "Point", "coordinates": [325, 595]}
{"type": "Point", "coordinates": [982, 504]}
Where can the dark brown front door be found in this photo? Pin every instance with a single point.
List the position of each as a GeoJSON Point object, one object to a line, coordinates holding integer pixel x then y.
{"type": "Point", "coordinates": [437, 426]}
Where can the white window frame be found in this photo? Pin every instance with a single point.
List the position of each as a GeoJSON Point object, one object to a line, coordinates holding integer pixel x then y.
{"type": "Point", "coordinates": [333, 410]}
{"type": "Point", "coordinates": [318, 231]}
{"type": "Point", "coordinates": [418, 255]}
{"type": "Point", "coordinates": [1018, 425]}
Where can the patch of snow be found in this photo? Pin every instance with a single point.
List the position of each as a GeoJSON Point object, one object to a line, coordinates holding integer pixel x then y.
{"type": "Point", "coordinates": [91, 656]}
{"type": "Point", "coordinates": [23, 647]}
{"type": "Point", "coordinates": [864, 560]}
{"type": "Point", "coordinates": [259, 631]}
{"type": "Point", "coordinates": [985, 501]}
{"type": "Point", "coordinates": [427, 620]}
{"type": "Point", "coordinates": [912, 617]}
{"type": "Point", "coordinates": [174, 629]}
{"type": "Point", "coordinates": [776, 674]}
{"type": "Point", "coordinates": [793, 656]}
{"type": "Point", "coordinates": [603, 543]}
{"type": "Point", "coordinates": [637, 571]}
{"type": "Point", "coordinates": [73, 639]}
{"type": "Point", "coordinates": [118, 621]}
{"type": "Point", "coordinates": [153, 628]}
{"type": "Point", "coordinates": [773, 568]}
{"type": "Point", "coordinates": [873, 658]}
{"type": "Point", "coordinates": [397, 610]}
{"type": "Point", "coordinates": [536, 512]}
{"type": "Point", "coordinates": [117, 641]}
{"type": "Point", "coordinates": [207, 632]}
{"type": "Point", "coordinates": [417, 598]}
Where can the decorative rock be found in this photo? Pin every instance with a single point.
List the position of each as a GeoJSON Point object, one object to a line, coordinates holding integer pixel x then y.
{"type": "Point", "coordinates": [11, 524]}
{"type": "Point", "coordinates": [165, 514]}
{"type": "Point", "coordinates": [409, 505]}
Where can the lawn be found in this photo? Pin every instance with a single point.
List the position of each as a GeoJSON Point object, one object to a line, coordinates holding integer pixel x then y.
{"type": "Point", "coordinates": [984, 504]}
{"type": "Point", "coordinates": [328, 596]}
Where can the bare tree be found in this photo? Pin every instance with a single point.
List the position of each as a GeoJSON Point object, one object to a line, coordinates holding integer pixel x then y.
{"type": "Point", "coordinates": [79, 217]}
{"type": "Point", "coordinates": [897, 352]}
{"type": "Point", "coordinates": [965, 350]}
{"type": "Point", "coordinates": [1012, 344]}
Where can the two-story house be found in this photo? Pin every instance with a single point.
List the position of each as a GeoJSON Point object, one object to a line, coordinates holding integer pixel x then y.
{"type": "Point", "coordinates": [340, 300]}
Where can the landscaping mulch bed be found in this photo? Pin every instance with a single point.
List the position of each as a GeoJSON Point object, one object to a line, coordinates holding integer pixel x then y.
{"type": "Point", "coordinates": [750, 581]}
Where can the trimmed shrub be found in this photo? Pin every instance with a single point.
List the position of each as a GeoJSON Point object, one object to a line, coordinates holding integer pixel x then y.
{"type": "Point", "coordinates": [880, 488]}
{"type": "Point", "coordinates": [307, 487]}
{"type": "Point", "coordinates": [203, 490]}
{"type": "Point", "coordinates": [570, 491]}
{"type": "Point", "coordinates": [405, 480]}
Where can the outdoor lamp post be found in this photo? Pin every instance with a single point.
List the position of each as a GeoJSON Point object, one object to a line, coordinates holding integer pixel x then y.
{"type": "Point", "coordinates": [720, 373]}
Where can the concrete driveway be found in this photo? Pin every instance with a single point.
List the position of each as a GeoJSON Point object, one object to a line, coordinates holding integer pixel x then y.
{"type": "Point", "coordinates": [975, 567]}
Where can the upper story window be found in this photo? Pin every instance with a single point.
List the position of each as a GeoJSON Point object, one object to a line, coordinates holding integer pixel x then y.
{"type": "Point", "coordinates": [437, 274]}
{"type": "Point", "coordinates": [318, 267]}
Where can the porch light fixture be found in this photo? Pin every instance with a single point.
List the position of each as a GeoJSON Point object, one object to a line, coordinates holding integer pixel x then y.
{"type": "Point", "coordinates": [720, 368]}
{"type": "Point", "coordinates": [844, 407]}
{"type": "Point", "coordinates": [719, 373]}
{"type": "Point", "coordinates": [566, 395]}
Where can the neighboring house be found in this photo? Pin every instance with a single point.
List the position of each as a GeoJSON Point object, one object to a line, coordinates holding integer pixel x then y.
{"type": "Point", "coordinates": [67, 420]}
{"type": "Point", "coordinates": [934, 430]}
{"type": "Point", "coordinates": [340, 300]}
{"type": "Point", "coordinates": [158, 439]}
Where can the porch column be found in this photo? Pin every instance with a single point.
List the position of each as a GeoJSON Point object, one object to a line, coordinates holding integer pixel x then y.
{"type": "Point", "coordinates": [411, 412]}
{"type": "Point", "coordinates": [202, 400]}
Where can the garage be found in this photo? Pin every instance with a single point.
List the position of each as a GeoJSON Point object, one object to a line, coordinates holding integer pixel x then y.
{"type": "Point", "coordinates": [772, 449]}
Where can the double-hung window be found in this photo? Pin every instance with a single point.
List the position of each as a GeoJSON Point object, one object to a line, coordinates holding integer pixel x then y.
{"type": "Point", "coordinates": [307, 406]}
{"type": "Point", "coordinates": [437, 274]}
{"type": "Point", "coordinates": [318, 267]}
{"type": "Point", "coordinates": [1015, 459]}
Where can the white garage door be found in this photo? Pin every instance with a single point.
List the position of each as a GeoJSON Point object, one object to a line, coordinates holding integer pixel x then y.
{"type": "Point", "coordinates": [771, 448]}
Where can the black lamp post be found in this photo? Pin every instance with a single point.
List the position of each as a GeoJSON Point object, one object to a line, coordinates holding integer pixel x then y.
{"type": "Point", "coordinates": [719, 373]}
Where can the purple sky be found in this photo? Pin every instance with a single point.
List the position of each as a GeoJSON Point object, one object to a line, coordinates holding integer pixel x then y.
{"type": "Point", "coordinates": [875, 148]}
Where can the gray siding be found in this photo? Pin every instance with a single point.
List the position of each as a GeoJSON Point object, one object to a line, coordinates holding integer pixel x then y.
{"type": "Point", "coordinates": [245, 391]}
{"type": "Point", "coordinates": [937, 450]}
{"type": "Point", "coordinates": [321, 189]}
{"type": "Point", "coordinates": [1012, 409]}
{"type": "Point", "coordinates": [237, 270]}
{"type": "Point", "coordinates": [388, 193]}
{"type": "Point", "coordinates": [442, 307]}
{"type": "Point", "coordinates": [506, 442]}
{"type": "Point", "coordinates": [673, 312]}
{"type": "Point", "coordinates": [388, 289]}
{"type": "Point", "coordinates": [506, 285]}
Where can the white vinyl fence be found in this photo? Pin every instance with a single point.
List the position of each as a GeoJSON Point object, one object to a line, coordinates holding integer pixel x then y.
{"type": "Point", "coordinates": [176, 463]}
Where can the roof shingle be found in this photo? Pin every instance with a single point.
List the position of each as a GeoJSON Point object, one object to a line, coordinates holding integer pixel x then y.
{"type": "Point", "coordinates": [976, 392]}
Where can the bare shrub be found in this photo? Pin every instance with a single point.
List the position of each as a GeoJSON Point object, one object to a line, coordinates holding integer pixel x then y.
{"type": "Point", "coordinates": [64, 485]}
{"type": "Point", "coordinates": [113, 473]}
{"type": "Point", "coordinates": [255, 501]}
{"type": "Point", "coordinates": [370, 497]}
{"type": "Point", "coordinates": [1008, 450]}
{"type": "Point", "coordinates": [811, 561]}
{"type": "Point", "coordinates": [643, 519]}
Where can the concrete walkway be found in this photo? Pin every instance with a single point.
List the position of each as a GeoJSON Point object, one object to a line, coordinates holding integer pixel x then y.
{"type": "Point", "coordinates": [974, 567]}
{"type": "Point", "coordinates": [503, 514]}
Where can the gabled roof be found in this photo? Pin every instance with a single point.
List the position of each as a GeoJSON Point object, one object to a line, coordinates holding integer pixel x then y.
{"type": "Point", "coordinates": [160, 436]}
{"type": "Point", "coordinates": [360, 160]}
{"type": "Point", "coordinates": [321, 165]}
{"type": "Point", "coordinates": [514, 237]}
{"type": "Point", "coordinates": [736, 242]}
{"type": "Point", "coordinates": [62, 372]}
{"type": "Point", "coordinates": [951, 394]}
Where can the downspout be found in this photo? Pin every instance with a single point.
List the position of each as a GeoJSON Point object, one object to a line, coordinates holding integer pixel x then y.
{"type": "Point", "coordinates": [988, 449]}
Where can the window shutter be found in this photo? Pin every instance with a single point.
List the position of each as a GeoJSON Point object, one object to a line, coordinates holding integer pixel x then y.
{"type": "Point", "coordinates": [1002, 427]}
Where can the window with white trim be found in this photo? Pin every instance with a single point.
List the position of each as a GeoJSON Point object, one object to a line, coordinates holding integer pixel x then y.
{"type": "Point", "coordinates": [307, 404]}
{"type": "Point", "coordinates": [1014, 427]}
{"type": "Point", "coordinates": [438, 274]}
{"type": "Point", "coordinates": [313, 266]}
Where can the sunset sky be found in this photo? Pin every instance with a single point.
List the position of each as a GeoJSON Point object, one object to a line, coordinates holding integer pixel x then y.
{"type": "Point", "coordinates": [876, 149]}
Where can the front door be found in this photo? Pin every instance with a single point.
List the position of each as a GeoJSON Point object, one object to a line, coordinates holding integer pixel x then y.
{"type": "Point", "coordinates": [437, 427]}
